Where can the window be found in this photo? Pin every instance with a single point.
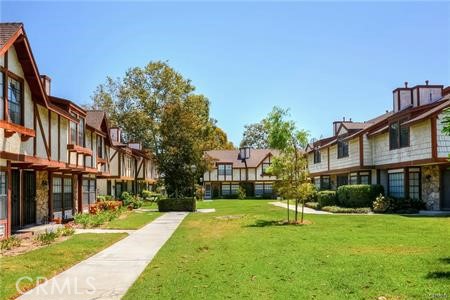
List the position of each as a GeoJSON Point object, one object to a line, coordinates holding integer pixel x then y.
{"type": "Point", "coordinates": [364, 179]}
{"type": "Point", "coordinates": [2, 98]}
{"type": "Point", "coordinates": [398, 135]}
{"type": "Point", "coordinates": [317, 183]}
{"type": "Point", "coordinates": [224, 169]}
{"type": "Point", "coordinates": [100, 146]}
{"type": "Point", "coordinates": [259, 189]}
{"type": "Point", "coordinates": [262, 189]}
{"type": "Point", "coordinates": [396, 185]}
{"type": "Point", "coordinates": [342, 149]}
{"type": "Point", "coordinates": [414, 185]}
{"type": "Point", "coordinates": [341, 180]}
{"type": "Point", "coordinates": [353, 179]}
{"type": "Point", "coordinates": [81, 132]}
{"type": "Point", "coordinates": [265, 166]}
{"type": "Point", "coordinates": [3, 196]}
{"type": "Point", "coordinates": [89, 192]}
{"type": "Point", "coordinates": [317, 157]}
{"type": "Point", "coordinates": [62, 194]}
{"type": "Point", "coordinates": [326, 184]}
{"type": "Point", "coordinates": [15, 101]}
{"type": "Point", "coordinates": [73, 132]}
{"type": "Point", "coordinates": [230, 189]}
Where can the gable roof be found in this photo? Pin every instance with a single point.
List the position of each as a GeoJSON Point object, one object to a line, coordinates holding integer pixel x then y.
{"type": "Point", "coordinates": [8, 32]}
{"type": "Point", "coordinates": [232, 156]}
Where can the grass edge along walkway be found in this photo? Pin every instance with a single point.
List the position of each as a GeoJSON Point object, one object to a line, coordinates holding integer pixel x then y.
{"type": "Point", "coordinates": [109, 274]}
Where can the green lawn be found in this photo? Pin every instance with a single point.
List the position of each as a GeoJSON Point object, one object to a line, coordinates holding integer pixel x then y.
{"type": "Point", "coordinates": [336, 257]}
{"type": "Point", "coordinates": [132, 220]}
{"type": "Point", "coordinates": [50, 260]}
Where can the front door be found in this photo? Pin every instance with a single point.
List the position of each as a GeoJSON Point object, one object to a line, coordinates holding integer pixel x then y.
{"type": "Point", "coordinates": [15, 198]}
{"type": "Point", "coordinates": [445, 203]}
{"type": "Point", "coordinates": [29, 197]}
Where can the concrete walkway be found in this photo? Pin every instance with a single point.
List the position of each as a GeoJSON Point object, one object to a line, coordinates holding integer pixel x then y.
{"type": "Point", "coordinates": [111, 272]}
{"type": "Point", "coordinates": [307, 209]}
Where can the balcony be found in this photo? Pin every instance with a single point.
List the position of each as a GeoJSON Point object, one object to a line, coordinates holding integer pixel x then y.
{"type": "Point", "coordinates": [12, 128]}
{"type": "Point", "coordinates": [79, 149]}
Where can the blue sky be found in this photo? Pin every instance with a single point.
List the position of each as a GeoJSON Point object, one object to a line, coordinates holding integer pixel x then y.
{"type": "Point", "coordinates": [322, 60]}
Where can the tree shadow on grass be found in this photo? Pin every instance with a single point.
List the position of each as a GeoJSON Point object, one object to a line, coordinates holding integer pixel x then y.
{"type": "Point", "coordinates": [438, 275]}
{"type": "Point", "coordinates": [267, 223]}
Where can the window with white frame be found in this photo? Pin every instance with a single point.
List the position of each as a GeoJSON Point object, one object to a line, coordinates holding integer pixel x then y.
{"type": "Point", "coordinates": [15, 101]}
{"type": "Point", "coordinates": [224, 169]}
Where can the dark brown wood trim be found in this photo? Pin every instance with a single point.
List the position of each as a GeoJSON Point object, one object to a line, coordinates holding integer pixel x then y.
{"type": "Point", "coordinates": [5, 88]}
{"type": "Point", "coordinates": [34, 128]}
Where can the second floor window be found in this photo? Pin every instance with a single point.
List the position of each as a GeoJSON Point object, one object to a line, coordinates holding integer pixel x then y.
{"type": "Point", "coordinates": [342, 149]}
{"type": "Point", "coordinates": [224, 169]}
{"type": "Point", "coordinates": [398, 135]}
{"type": "Point", "coordinates": [317, 157]}
{"type": "Point", "coordinates": [100, 146]}
{"type": "Point", "coordinates": [15, 101]}
{"type": "Point", "coordinates": [77, 132]}
{"type": "Point", "coordinates": [81, 132]}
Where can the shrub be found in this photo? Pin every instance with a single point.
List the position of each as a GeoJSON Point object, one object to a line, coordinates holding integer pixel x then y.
{"type": "Point", "coordinates": [67, 230]}
{"type": "Point", "coordinates": [150, 196]}
{"type": "Point", "coordinates": [183, 204]}
{"type": "Point", "coordinates": [312, 197]}
{"type": "Point", "coordinates": [326, 198]}
{"type": "Point", "coordinates": [47, 237]}
{"type": "Point", "coordinates": [381, 204]}
{"type": "Point", "coordinates": [131, 201]}
{"type": "Point", "coordinates": [360, 195]}
{"type": "Point", "coordinates": [242, 193]}
{"type": "Point", "coordinates": [9, 243]}
{"type": "Point", "coordinates": [82, 219]}
{"type": "Point", "coordinates": [313, 205]}
{"type": "Point", "coordinates": [406, 206]}
{"type": "Point", "coordinates": [346, 210]}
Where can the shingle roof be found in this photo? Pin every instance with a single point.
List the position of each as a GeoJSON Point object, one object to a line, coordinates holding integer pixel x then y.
{"type": "Point", "coordinates": [7, 30]}
{"type": "Point", "coordinates": [94, 118]}
{"type": "Point", "coordinates": [232, 156]}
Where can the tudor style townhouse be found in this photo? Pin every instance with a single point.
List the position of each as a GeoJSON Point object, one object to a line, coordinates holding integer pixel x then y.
{"type": "Point", "coordinates": [131, 168]}
{"type": "Point", "coordinates": [231, 168]}
{"type": "Point", "coordinates": [53, 153]}
{"type": "Point", "coordinates": [405, 150]}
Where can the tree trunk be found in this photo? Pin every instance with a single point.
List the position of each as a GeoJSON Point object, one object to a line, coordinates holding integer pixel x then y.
{"type": "Point", "coordinates": [296, 211]}
{"type": "Point", "coordinates": [288, 210]}
{"type": "Point", "coordinates": [303, 210]}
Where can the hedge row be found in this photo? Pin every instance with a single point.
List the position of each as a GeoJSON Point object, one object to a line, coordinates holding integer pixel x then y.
{"type": "Point", "coordinates": [184, 204]}
{"type": "Point", "coordinates": [361, 195]}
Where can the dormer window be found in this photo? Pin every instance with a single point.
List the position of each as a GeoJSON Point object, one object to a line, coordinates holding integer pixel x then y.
{"type": "Point", "coordinates": [398, 135]}
{"type": "Point", "coordinates": [77, 131]}
{"type": "Point", "coordinates": [224, 169]}
{"type": "Point", "coordinates": [342, 149]}
{"type": "Point", "coordinates": [317, 157]}
{"type": "Point", "coordinates": [15, 101]}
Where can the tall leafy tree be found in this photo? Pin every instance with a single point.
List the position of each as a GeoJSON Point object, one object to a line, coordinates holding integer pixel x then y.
{"type": "Point", "coordinates": [157, 106]}
{"type": "Point", "coordinates": [290, 166]}
{"type": "Point", "coordinates": [256, 135]}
